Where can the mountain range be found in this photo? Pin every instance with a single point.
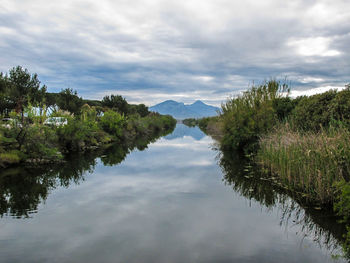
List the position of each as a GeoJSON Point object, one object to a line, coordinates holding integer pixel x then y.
{"type": "Point", "coordinates": [179, 110]}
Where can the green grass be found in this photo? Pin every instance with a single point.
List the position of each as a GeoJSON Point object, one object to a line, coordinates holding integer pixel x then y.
{"type": "Point", "coordinates": [308, 162]}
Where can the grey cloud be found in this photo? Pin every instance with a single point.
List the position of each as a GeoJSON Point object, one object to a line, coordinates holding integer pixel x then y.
{"type": "Point", "coordinates": [166, 47]}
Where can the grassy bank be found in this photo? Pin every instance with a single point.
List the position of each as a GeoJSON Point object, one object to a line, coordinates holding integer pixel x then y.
{"type": "Point", "coordinates": [303, 141]}
{"type": "Point", "coordinates": [301, 144]}
{"type": "Point", "coordinates": [308, 162]}
{"type": "Point", "coordinates": [39, 143]}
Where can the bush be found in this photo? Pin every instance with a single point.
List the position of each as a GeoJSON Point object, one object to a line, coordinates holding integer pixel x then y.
{"type": "Point", "coordinates": [112, 122]}
{"type": "Point", "coordinates": [247, 117]}
{"type": "Point", "coordinates": [284, 106]}
{"type": "Point", "coordinates": [322, 110]}
{"type": "Point", "coordinates": [78, 135]}
{"type": "Point", "coordinates": [41, 142]}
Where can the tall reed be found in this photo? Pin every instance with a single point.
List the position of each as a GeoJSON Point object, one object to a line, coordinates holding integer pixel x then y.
{"type": "Point", "coordinates": [307, 162]}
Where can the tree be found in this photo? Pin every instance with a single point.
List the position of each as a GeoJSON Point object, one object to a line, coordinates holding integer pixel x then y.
{"type": "Point", "coordinates": [68, 100]}
{"type": "Point", "coordinates": [5, 104]}
{"type": "Point", "coordinates": [116, 102]}
{"type": "Point", "coordinates": [142, 109]}
{"type": "Point", "coordinates": [51, 100]}
{"type": "Point", "coordinates": [3, 86]}
{"type": "Point", "coordinates": [23, 88]}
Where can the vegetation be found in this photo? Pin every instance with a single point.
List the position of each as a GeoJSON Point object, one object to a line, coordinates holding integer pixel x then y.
{"type": "Point", "coordinates": [209, 125]}
{"type": "Point", "coordinates": [24, 187]}
{"type": "Point", "coordinates": [250, 115]}
{"type": "Point", "coordinates": [191, 122]}
{"type": "Point", "coordinates": [308, 162]}
{"type": "Point", "coordinates": [251, 182]}
{"type": "Point", "coordinates": [26, 135]}
{"type": "Point", "coordinates": [301, 144]}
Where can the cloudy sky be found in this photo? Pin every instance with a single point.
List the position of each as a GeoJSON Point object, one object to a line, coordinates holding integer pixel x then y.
{"type": "Point", "coordinates": [152, 50]}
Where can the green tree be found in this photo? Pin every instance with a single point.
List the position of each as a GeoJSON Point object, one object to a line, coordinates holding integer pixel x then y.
{"type": "Point", "coordinates": [142, 109]}
{"type": "Point", "coordinates": [68, 100]}
{"type": "Point", "coordinates": [5, 104]}
{"type": "Point", "coordinates": [51, 100]}
{"type": "Point", "coordinates": [23, 88]}
{"type": "Point", "coordinates": [117, 103]}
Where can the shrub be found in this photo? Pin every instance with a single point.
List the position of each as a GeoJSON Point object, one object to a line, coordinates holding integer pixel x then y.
{"type": "Point", "coordinates": [322, 110]}
{"type": "Point", "coordinates": [283, 107]}
{"type": "Point", "coordinates": [112, 122]}
{"type": "Point", "coordinates": [41, 142]}
{"type": "Point", "coordinates": [78, 135]}
{"type": "Point", "coordinates": [248, 116]}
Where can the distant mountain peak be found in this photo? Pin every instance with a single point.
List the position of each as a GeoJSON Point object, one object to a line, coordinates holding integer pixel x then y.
{"type": "Point", "coordinates": [179, 110]}
{"type": "Point", "coordinates": [169, 101]}
{"type": "Point", "coordinates": [199, 102]}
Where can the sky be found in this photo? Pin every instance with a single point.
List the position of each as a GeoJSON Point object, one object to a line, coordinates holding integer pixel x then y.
{"type": "Point", "coordinates": [152, 50]}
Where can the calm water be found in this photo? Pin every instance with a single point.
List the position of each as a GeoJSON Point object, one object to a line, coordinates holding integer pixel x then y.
{"type": "Point", "coordinates": [175, 201]}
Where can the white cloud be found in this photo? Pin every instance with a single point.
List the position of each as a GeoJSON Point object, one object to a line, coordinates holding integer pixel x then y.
{"type": "Point", "coordinates": [204, 78]}
{"type": "Point", "coordinates": [318, 46]}
{"type": "Point", "coordinates": [311, 79]}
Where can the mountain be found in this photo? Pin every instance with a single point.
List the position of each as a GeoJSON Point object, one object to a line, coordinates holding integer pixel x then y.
{"type": "Point", "coordinates": [179, 110]}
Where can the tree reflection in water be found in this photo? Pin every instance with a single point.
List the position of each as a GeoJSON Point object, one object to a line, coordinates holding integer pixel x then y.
{"type": "Point", "coordinates": [247, 180]}
{"type": "Point", "coordinates": [22, 189]}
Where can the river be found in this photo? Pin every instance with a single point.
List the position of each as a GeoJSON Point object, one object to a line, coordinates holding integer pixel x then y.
{"type": "Point", "coordinates": [173, 201]}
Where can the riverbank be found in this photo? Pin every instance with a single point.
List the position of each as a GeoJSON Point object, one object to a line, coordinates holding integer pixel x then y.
{"type": "Point", "coordinates": [166, 194]}
{"type": "Point", "coordinates": [41, 144]}
{"type": "Point", "coordinates": [38, 127]}
{"type": "Point", "coordinates": [301, 144]}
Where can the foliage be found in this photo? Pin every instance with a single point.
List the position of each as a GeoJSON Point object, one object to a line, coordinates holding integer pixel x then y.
{"type": "Point", "coordinates": [88, 113]}
{"type": "Point", "coordinates": [9, 158]}
{"type": "Point", "coordinates": [307, 162]}
{"type": "Point", "coordinates": [322, 110]}
{"type": "Point", "coordinates": [250, 115]}
{"type": "Point", "coordinates": [152, 124]}
{"type": "Point", "coordinates": [116, 102]}
{"type": "Point", "coordinates": [190, 122]}
{"type": "Point", "coordinates": [342, 204]}
{"type": "Point", "coordinates": [93, 103]}
{"type": "Point", "coordinates": [209, 125]}
{"type": "Point", "coordinates": [91, 123]}
{"type": "Point", "coordinates": [112, 122]}
{"type": "Point", "coordinates": [22, 88]}
{"type": "Point", "coordinates": [342, 207]}
{"type": "Point", "coordinates": [340, 107]}
{"type": "Point", "coordinates": [140, 109]}
{"type": "Point", "coordinates": [284, 106]}
{"type": "Point", "coordinates": [79, 135]}
{"type": "Point", "coordinates": [68, 100]}
{"type": "Point", "coordinates": [41, 142]}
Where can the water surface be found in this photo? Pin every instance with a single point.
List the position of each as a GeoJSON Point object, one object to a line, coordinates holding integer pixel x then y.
{"type": "Point", "coordinates": [170, 202]}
